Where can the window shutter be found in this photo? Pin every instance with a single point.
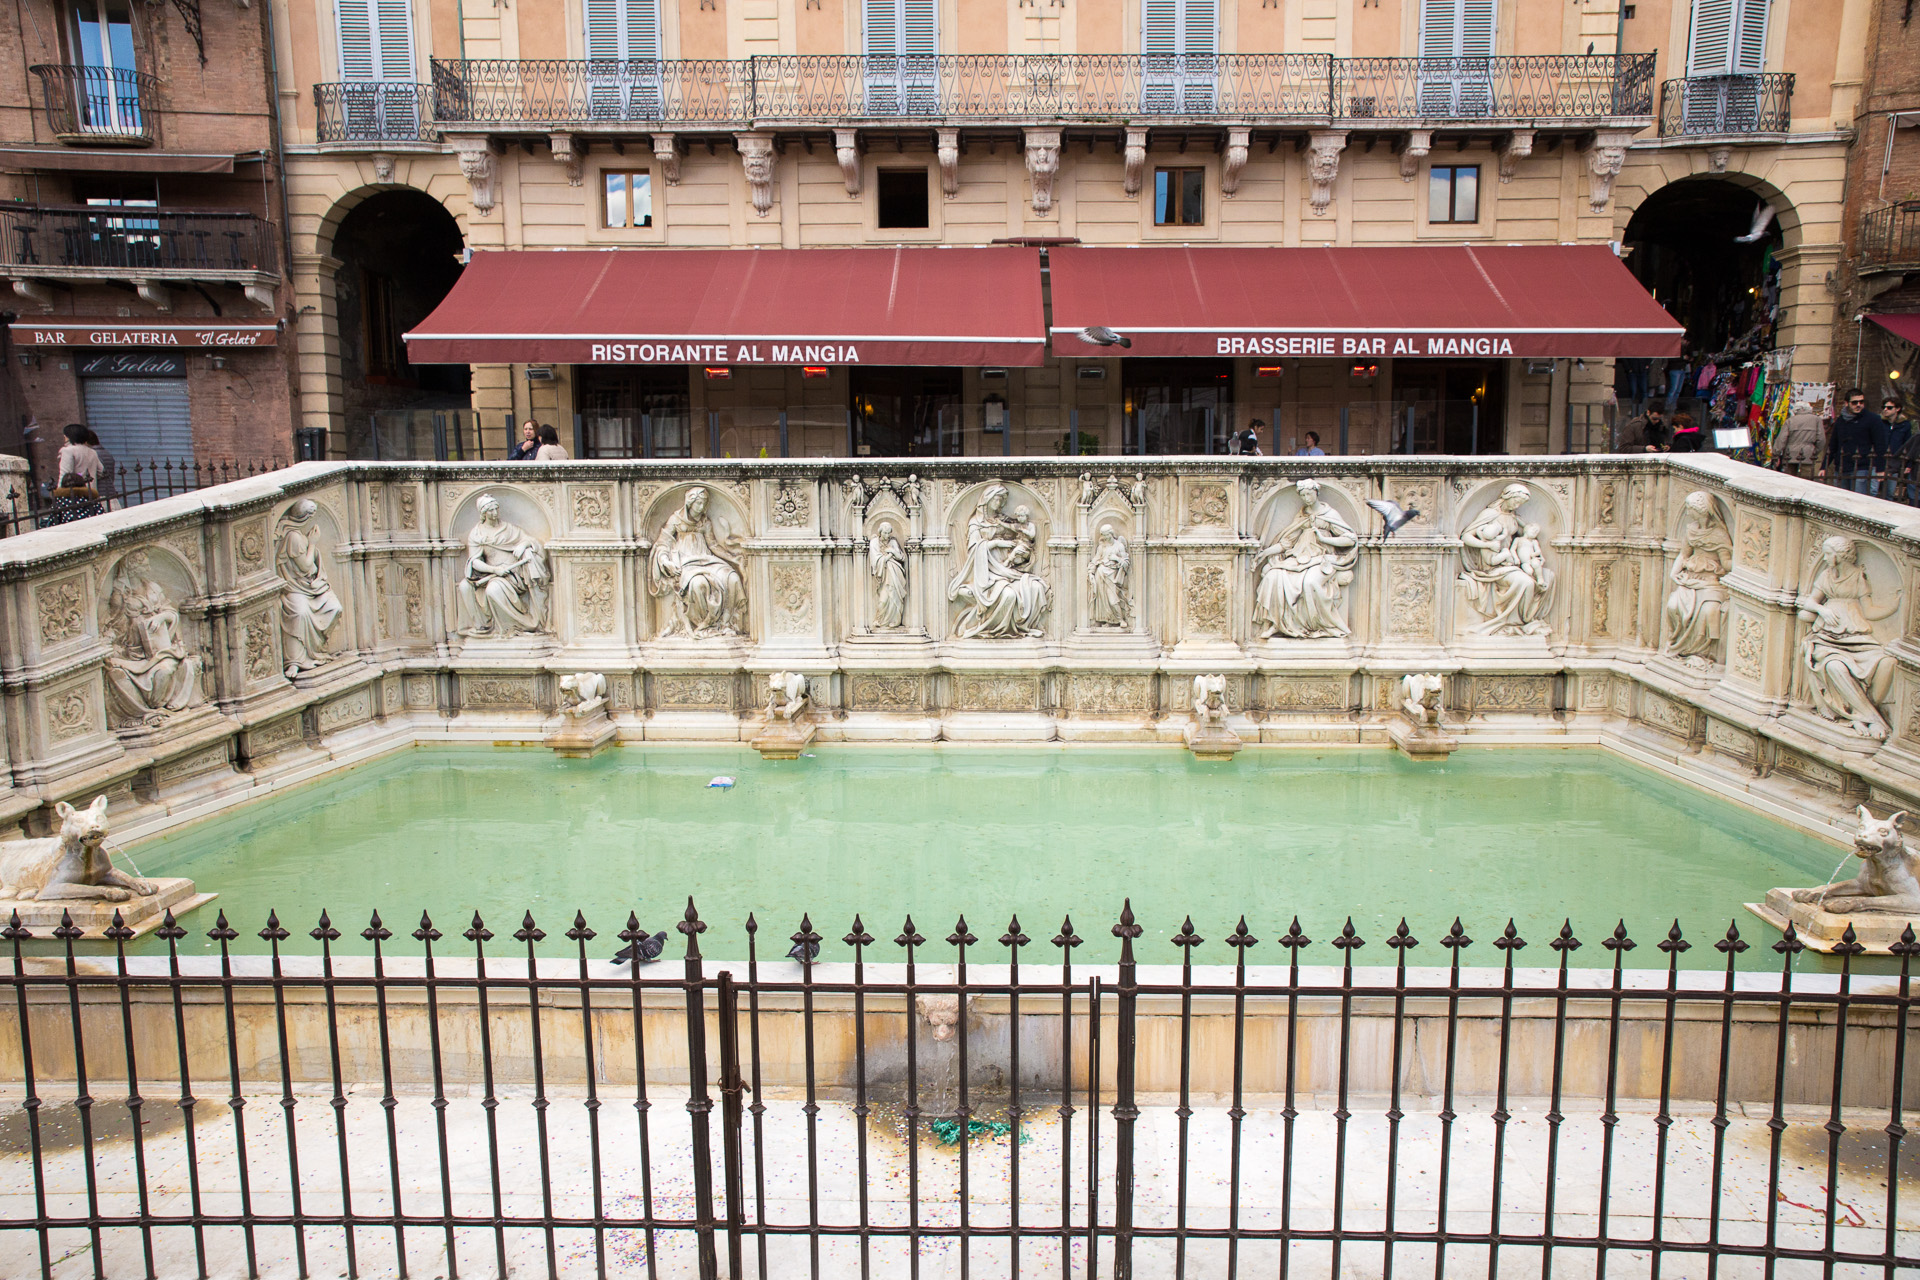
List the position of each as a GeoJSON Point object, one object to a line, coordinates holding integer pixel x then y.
{"type": "Point", "coordinates": [643, 30]}
{"type": "Point", "coordinates": [1439, 28]}
{"type": "Point", "coordinates": [354, 18]}
{"type": "Point", "coordinates": [1200, 28]}
{"type": "Point", "coordinates": [603, 30]}
{"type": "Point", "coordinates": [1750, 39]}
{"type": "Point", "coordinates": [883, 28]}
{"type": "Point", "coordinates": [919, 28]}
{"type": "Point", "coordinates": [1476, 29]}
{"type": "Point", "coordinates": [393, 39]}
{"type": "Point", "coordinates": [1160, 26]}
{"type": "Point", "coordinates": [1710, 45]}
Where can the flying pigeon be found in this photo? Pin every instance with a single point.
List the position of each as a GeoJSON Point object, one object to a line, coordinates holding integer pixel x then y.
{"type": "Point", "coordinates": [1101, 336]}
{"type": "Point", "coordinates": [1393, 514]}
{"type": "Point", "coordinates": [805, 952]}
{"type": "Point", "coordinates": [645, 950]}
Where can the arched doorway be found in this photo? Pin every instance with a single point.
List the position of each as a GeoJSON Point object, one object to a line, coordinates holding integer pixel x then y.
{"type": "Point", "coordinates": [399, 252]}
{"type": "Point", "coordinates": [1709, 254]}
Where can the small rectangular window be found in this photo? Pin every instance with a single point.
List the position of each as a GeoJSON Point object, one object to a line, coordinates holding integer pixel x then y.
{"type": "Point", "coordinates": [902, 196]}
{"type": "Point", "coordinates": [1179, 197]}
{"type": "Point", "coordinates": [629, 195]}
{"type": "Point", "coordinates": [1453, 193]}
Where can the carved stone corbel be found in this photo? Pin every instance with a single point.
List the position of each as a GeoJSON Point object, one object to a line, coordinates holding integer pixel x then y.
{"type": "Point", "coordinates": [478, 167]}
{"type": "Point", "coordinates": [383, 167]}
{"type": "Point", "coordinates": [666, 154]}
{"type": "Point", "coordinates": [1604, 158]}
{"type": "Point", "coordinates": [1323, 165]}
{"type": "Point", "coordinates": [947, 151]}
{"type": "Point", "coordinates": [1043, 163]}
{"type": "Point", "coordinates": [1136, 160]}
{"type": "Point", "coordinates": [261, 296]}
{"type": "Point", "coordinates": [566, 153]}
{"type": "Point", "coordinates": [35, 291]}
{"type": "Point", "coordinates": [1419, 146]}
{"type": "Point", "coordinates": [1234, 161]}
{"type": "Point", "coordinates": [1718, 159]}
{"type": "Point", "coordinates": [756, 157]}
{"type": "Point", "coordinates": [154, 294]}
{"type": "Point", "coordinates": [846, 149]}
{"type": "Point", "coordinates": [1518, 146]}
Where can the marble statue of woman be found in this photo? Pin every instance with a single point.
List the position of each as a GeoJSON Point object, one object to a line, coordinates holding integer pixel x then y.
{"type": "Point", "coordinates": [1502, 570]}
{"type": "Point", "coordinates": [888, 564]}
{"type": "Point", "coordinates": [1302, 575]}
{"type": "Point", "coordinates": [308, 607]}
{"type": "Point", "coordinates": [1697, 601]}
{"type": "Point", "coordinates": [1003, 598]}
{"type": "Point", "coordinates": [1107, 580]}
{"type": "Point", "coordinates": [504, 590]}
{"type": "Point", "coordinates": [150, 672]}
{"type": "Point", "coordinates": [1849, 672]}
{"type": "Point", "coordinates": [697, 568]}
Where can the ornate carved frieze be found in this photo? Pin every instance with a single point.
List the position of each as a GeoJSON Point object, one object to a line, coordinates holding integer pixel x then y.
{"type": "Point", "coordinates": [1602, 619]}
{"type": "Point", "coordinates": [1756, 541]}
{"type": "Point", "coordinates": [1208, 507]}
{"type": "Point", "coordinates": [1410, 600]}
{"type": "Point", "coordinates": [1207, 596]}
{"type": "Point", "coordinates": [1306, 693]}
{"type": "Point", "coordinates": [792, 505]}
{"type": "Point", "coordinates": [698, 692]}
{"type": "Point", "coordinates": [250, 545]}
{"type": "Point", "coordinates": [875, 692]}
{"type": "Point", "coordinates": [1596, 692]}
{"type": "Point", "coordinates": [498, 693]}
{"type": "Point", "coordinates": [1727, 740]}
{"type": "Point", "coordinates": [594, 597]}
{"type": "Point", "coordinates": [1508, 694]}
{"type": "Point", "coordinates": [262, 660]}
{"type": "Point", "coordinates": [420, 692]}
{"type": "Point", "coordinates": [275, 735]}
{"type": "Point", "coordinates": [791, 587]}
{"type": "Point", "coordinates": [1108, 692]}
{"type": "Point", "coordinates": [1665, 714]}
{"type": "Point", "coordinates": [593, 507]}
{"type": "Point", "coordinates": [1809, 770]}
{"type": "Point", "coordinates": [62, 607]}
{"type": "Point", "coordinates": [348, 710]}
{"type": "Point", "coordinates": [996, 693]}
{"type": "Point", "coordinates": [70, 713]}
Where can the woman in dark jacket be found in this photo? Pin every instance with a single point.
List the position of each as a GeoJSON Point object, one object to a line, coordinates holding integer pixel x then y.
{"type": "Point", "coordinates": [1686, 434]}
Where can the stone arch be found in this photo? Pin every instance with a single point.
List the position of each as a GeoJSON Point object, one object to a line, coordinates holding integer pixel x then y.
{"type": "Point", "coordinates": [1787, 216]}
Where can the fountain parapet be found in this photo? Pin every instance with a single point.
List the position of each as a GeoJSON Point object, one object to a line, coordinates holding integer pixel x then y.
{"type": "Point", "coordinates": [1879, 904]}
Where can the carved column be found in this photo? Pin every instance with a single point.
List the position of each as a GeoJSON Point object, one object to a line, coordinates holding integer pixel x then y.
{"type": "Point", "coordinates": [756, 157]}
{"type": "Point", "coordinates": [477, 166]}
{"type": "Point", "coordinates": [947, 150]}
{"type": "Point", "coordinates": [846, 149]}
{"type": "Point", "coordinates": [1043, 163]}
{"type": "Point", "coordinates": [567, 153]}
{"type": "Point", "coordinates": [1419, 145]}
{"type": "Point", "coordinates": [666, 153]}
{"type": "Point", "coordinates": [1518, 146]}
{"type": "Point", "coordinates": [1136, 160]}
{"type": "Point", "coordinates": [1604, 158]}
{"type": "Point", "coordinates": [1323, 165]}
{"type": "Point", "coordinates": [1234, 161]}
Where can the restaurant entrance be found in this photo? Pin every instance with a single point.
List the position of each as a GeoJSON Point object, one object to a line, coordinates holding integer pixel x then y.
{"type": "Point", "coordinates": [1176, 406]}
{"type": "Point", "coordinates": [1451, 406]}
{"type": "Point", "coordinates": [904, 411]}
{"type": "Point", "coordinates": [635, 411]}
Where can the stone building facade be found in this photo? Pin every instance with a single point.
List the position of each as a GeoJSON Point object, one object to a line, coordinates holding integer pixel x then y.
{"type": "Point", "coordinates": [1299, 124]}
{"type": "Point", "coordinates": [144, 233]}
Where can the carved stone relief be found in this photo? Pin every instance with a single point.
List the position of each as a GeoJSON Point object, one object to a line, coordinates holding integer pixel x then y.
{"type": "Point", "coordinates": [1602, 598]}
{"type": "Point", "coordinates": [1596, 692]}
{"type": "Point", "coordinates": [996, 693]}
{"type": "Point", "coordinates": [791, 586]}
{"type": "Point", "coordinates": [694, 569]}
{"type": "Point", "coordinates": [1207, 507]}
{"type": "Point", "coordinates": [1749, 646]}
{"type": "Point", "coordinates": [1756, 541]}
{"type": "Point", "coordinates": [1302, 573]}
{"type": "Point", "coordinates": [1109, 570]}
{"type": "Point", "coordinates": [341, 712]}
{"type": "Point", "coordinates": [1511, 694]}
{"type": "Point", "coordinates": [274, 736]}
{"type": "Point", "coordinates": [1848, 667]}
{"type": "Point", "coordinates": [995, 586]}
{"type": "Point", "coordinates": [250, 544]}
{"type": "Point", "coordinates": [1206, 591]}
{"type": "Point", "coordinates": [407, 498]}
{"type": "Point", "coordinates": [419, 692]}
{"type": "Point", "coordinates": [886, 693]}
{"type": "Point", "coordinates": [1664, 713]}
{"type": "Point", "coordinates": [792, 506]}
{"type": "Point", "coordinates": [593, 598]}
{"type": "Point", "coordinates": [503, 591]}
{"type": "Point", "coordinates": [695, 692]}
{"type": "Point", "coordinates": [1306, 693]}
{"type": "Point", "coordinates": [1697, 599]}
{"type": "Point", "coordinates": [155, 664]}
{"type": "Point", "coordinates": [501, 693]}
{"type": "Point", "coordinates": [592, 508]}
{"type": "Point", "coordinates": [1106, 691]}
{"type": "Point", "coordinates": [70, 713]}
{"type": "Point", "coordinates": [1503, 572]}
{"type": "Point", "coordinates": [1724, 738]}
{"type": "Point", "coordinates": [257, 643]}
{"type": "Point", "coordinates": [1809, 770]}
{"type": "Point", "coordinates": [62, 606]}
{"type": "Point", "coordinates": [1410, 601]}
{"type": "Point", "coordinates": [309, 608]}
{"type": "Point", "coordinates": [1607, 497]}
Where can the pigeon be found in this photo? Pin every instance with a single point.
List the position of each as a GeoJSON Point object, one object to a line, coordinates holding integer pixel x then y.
{"type": "Point", "coordinates": [644, 950]}
{"type": "Point", "coordinates": [805, 952]}
{"type": "Point", "coordinates": [1101, 336]}
{"type": "Point", "coordinates": [1762, 219]}
{"type": "Point", "coordinates": [1393, 514]}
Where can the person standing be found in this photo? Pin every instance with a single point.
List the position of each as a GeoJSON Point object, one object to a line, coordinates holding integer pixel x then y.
{"type": "Point", "coordinates": [1686, 434]}
{"type": "Point", "coordinates": [550, 450]}
{"type": "Point", "coordinates": [529, 443]}
{"type": "Point", "coordinates": [1638, 370]}
{"type": "Point", "coordinates": [1803, 440]}
{"type": "Point", "coordinates": [1250, 439]}
{"type": "Point", "coordinates": [1312, 448]}
{"type": "Point", "coordinates": [74, 494]}
{"type": "Point", "coordinates": [1899, 435]}
{"type": "Point", "coordinates": [1677, 371]}
{"type": "Point", "coordinates": [1648, 432]}
{"type": "Point", "coordinates": [1858, 444]}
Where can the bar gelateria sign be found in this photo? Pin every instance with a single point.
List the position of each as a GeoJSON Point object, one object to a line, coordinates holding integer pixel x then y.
{"type": "Point", "coordinates": [125, 333]}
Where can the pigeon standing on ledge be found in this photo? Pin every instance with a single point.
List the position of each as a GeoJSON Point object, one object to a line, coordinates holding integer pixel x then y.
{"type": "Point", "coordinates": [1393, 513]}
{"type": "Point", "coordinates": [644, 950]}
{"type": "Point", "coordinates": [1101, 336]}
{"type": "Point", "coordinates": [804, 952]}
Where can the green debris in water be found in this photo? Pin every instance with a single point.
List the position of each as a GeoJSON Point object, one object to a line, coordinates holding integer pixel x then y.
{"type": "Point", "coordinates": [948, 1131]}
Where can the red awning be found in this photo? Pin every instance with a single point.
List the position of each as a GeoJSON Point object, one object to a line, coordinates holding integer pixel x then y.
{"type": "Point", "coordinates": [1906, 327]}
{"type": "Point", "coordinates": [1440, 301]}
{"type": "Point", "coordinates": [918, 306]}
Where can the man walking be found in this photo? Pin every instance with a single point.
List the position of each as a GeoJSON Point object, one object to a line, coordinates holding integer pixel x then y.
{"type": "Point", "coordinates": [1858, 444]}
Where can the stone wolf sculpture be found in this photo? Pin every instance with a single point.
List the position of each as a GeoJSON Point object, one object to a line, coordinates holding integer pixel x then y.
{"type": "Point", "coordinates": [1888, 882]}
{"type": "Point", "coordinates": [71, 865]}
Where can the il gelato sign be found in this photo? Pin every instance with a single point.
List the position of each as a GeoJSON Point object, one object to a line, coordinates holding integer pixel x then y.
{"type": "Point", "coordinates": [123, 334]}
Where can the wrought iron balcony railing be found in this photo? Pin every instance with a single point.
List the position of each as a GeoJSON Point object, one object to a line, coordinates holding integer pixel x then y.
{"type": "Point", "coordinates": [1066, 88]}
{"type": "Point", "coordinates": [52, 240]}
{"type": "Point", "coordinates": [1890, 238]}
{"type": "Point", "coordinates": [1699, 105]}
{"type": "Point", "coordinates": [97, 105]}
{"type": "Point", "coordinates": [375, 111]}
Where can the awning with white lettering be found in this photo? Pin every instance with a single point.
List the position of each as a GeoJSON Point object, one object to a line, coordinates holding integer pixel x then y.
{"type": "Point", "coordinates": [1411, 301]}
{"type": "Point", "coordinates": [904, 306]}
{"type": "Point", "coordinates": [73, 331]}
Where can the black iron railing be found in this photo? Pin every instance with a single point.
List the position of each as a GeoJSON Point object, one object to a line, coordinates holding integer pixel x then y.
{"type": "Point", "coordinates": [126, 484]}
{"type": "Point", "coordinates": [1016, 88]}
{"type": "Point", "coordinates": [134, 238]}
{"type": "Point", "coordinates": [1759, 103]}
{"type": "Point", "coordinates": [95, 104]}
{"type": "Point", "coordinates": [454, 1101]}
{"type": "Point", "coordinates": [1890, 237]}
{"type": "Point", "coordinates": [375, 111]}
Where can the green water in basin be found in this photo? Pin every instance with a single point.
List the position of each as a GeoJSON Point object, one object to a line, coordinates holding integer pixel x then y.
{"type": "Point", "coordinates": [1536, 835]}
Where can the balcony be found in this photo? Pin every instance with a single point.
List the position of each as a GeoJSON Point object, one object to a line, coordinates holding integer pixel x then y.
{"type": "Point", "coordinates": [46, 245]}
{"type": "Point", "coordinates": [95, 106]}
{"type": "Point", "coordinates": [1890, 239]}
{"type": "Point", "coordinates": [1718, 106]}
{"type": "Point", "coordinates": [373, 112]}
{"type": "Point", "coordinates": [1304, 90]}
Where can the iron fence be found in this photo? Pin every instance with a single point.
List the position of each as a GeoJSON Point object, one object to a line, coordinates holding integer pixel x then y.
{"type": "Point", "coordinates": [375, 111]}
{"type": "Point", "coordinates": [1756, 103]}
{"type": "Point", "coordinates": [968, 1105]}
{"type": "Point", "coordinates": [134, 237]}
{"type": "Point", "coordinates": [97, 104]}
{"type": "Point", "coordinates": [1890, 237]}
{"type": "Point", "coordinates": [1106, 88]}
{"type": "Point", "coordinates": [126, 484]}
